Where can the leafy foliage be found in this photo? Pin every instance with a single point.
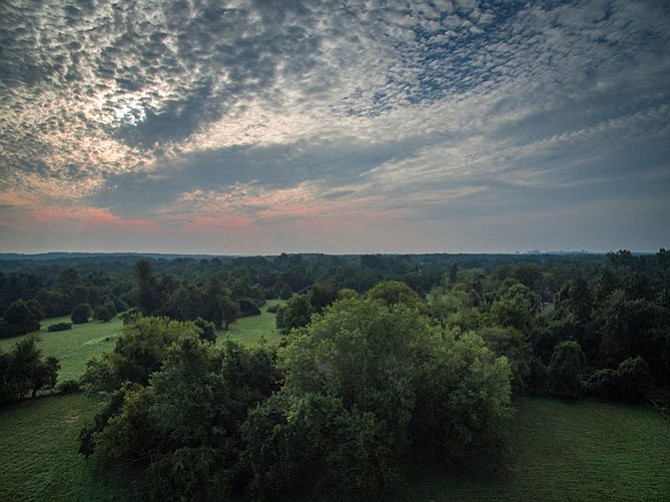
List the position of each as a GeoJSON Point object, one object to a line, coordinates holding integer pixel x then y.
{"type": "Point", "coordinates": [23, 372]}
{"type": "Point", "coordinates": [81, 313]}
{"type": "Point", "coordinates": [364, 382]}
{"type": "Point", "coordinates": [21, 317]}
{"type": "Point", "coordinates": [60, 326]}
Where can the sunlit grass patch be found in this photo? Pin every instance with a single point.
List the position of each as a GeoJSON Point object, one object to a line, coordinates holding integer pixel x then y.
{"type": "Point", "coordinates": [74, 347]}
{"type": "Point", "coordinates": [250, 330]}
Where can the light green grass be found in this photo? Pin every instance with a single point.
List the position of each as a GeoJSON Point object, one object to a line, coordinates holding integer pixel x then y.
{"type": "Point", "coordinates": [250, 330]}
{"type": "Point", "coordinates": [75, 347]}
{"type": "Point", "coordinates": [39, 460]}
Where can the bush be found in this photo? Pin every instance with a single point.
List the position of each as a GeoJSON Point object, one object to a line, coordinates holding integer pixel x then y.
{"type": "Point", "coordinates": [272, 309]}
{"type": "Point", "coordinates": [248, 307]}
{"type": "Point", "coordinates": [22, 317]}
{"type": "Point", "coordinates": [81, 313]}
{"type": "Point", "coordinates": [564, 369]}
{"type": "Point", "coordinates": [61, 326]}
{"type": "Point", "coordinates": [104, 313]}
{"type": "Point", "coordinates": [630, 381]}
{"type": "Point", "coordinates": [68, 387]}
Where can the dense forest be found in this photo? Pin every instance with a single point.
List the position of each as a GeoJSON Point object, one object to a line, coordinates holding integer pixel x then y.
{"type": "Point", "coordinates": [383, 357]}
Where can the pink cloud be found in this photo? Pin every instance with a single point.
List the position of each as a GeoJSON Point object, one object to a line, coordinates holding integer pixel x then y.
{"type": "Point", "coordinates": [85, 219]}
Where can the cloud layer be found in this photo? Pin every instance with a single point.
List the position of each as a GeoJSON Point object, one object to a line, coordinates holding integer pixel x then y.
{"type": "Point", "coordinates": [255, 127]}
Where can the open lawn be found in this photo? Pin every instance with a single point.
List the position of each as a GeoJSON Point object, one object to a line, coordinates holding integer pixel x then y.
{"type": "Point", "coordinates": [74, 347]}
{"type": "Point", "coordinates": [560, 451]}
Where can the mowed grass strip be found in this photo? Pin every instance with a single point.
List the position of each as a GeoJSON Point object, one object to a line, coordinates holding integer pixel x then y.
{"type": "Point", "coordinates": [75, 347]}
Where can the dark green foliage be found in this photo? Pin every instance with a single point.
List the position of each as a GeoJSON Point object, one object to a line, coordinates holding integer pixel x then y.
{"type": "Point", "coordinates": [5, 329]}
{"type": "Point", "coordinates": [68, 387]}
{"type": "Point", "coordinates": [248, 307]}
{"type": "Point", "coordinates": [513, 307]}
{"type": "Point", "coordinates": [295, 313]}
{"type": "Point", "coordinates": [21, 317]}
{"type": "Point", "coordinates": [285, 292]}
{"type": "Point", "coordinates": [207, 330]}
{"type": "Point", "coordinates": [104, 313]}
{"type": "Point", "coordinates": [60, 326]}
{"type": "Point", "coordinates": [23, 372]}
{"type": "Point", "coordinates": [564, 370]}
{"type": "Point", "coordinates": [148, 293]}
{"type": "Point", "coordinates": [363, 383]}
{"type": "Point", "coordinates": [510, 342]}
{"type": "Point", "coordinates": [185, 422]}
{"type": "Point", "coordinates": [81, 313]}
{"type": "Point", "coordinates": [138, 353]}
{"type": "Point", "coordinates": [394, 292]}
{"type": "Point", "coordinates": [320, 295]}
{"type": "Point", "coordinates": [630, 381]}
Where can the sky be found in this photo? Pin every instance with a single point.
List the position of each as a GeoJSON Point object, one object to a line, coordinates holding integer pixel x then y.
{"type": "Point", "coordinates": [261, 127]}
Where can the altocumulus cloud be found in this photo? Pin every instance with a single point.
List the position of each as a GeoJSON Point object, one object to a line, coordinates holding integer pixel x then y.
{"type": "Point", "coordinates": [334, 126]}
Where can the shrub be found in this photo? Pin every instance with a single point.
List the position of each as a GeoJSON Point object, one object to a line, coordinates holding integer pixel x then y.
{"type": "Point", "coordinates": [564, 368]}
{"type": "Point", "coordinates": [81, 313]}
{"type": "Point", "coordinates": [631, 381]}
{"type": "Point", "coordinates": [61, 326]}
{"type": "Point", "coordinates": [248, 307]}
{"type": "Point", "coordinates": [68, 387]}
{"type": "Point", "coordinates": [104, 313]}
{"type": "Point", "coordinates": [22, 317]}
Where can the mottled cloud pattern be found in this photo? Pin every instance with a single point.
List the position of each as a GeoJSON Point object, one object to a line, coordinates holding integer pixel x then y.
{"type": "Point", "coordinates": [351, 126]}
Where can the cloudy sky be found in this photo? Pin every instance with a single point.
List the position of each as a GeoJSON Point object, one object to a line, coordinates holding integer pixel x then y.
{"type": "Point", "coordinates": [258, 127]}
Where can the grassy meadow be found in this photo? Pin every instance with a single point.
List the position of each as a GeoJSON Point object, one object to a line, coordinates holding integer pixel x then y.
{"type": "Point", "coordinates": [565, 451]}
{"type": "Point", "coordinates": [75, 347]}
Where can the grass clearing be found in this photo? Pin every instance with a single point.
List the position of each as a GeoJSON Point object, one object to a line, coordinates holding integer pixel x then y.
{"type": "Point", "coordinates": [75, 347]}
{"type": "Point", "coordinates": [565, 451]}
{"type": "Point", "coordinates": [250, 330]}
{"type": "Point", "coordinates": [39, 461]}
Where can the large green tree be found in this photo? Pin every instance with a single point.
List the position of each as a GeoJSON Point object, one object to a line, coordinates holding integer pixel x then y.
{"type": "Point", "coordinates": [365, 381]}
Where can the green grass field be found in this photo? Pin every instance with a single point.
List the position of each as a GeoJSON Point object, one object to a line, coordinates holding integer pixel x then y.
{"type": "Point", "coordinates": [39, 461]}
{"type": "Point", "coordinates": [565, 451]}
{"type": "Point", "coordinates": [75, 347]}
